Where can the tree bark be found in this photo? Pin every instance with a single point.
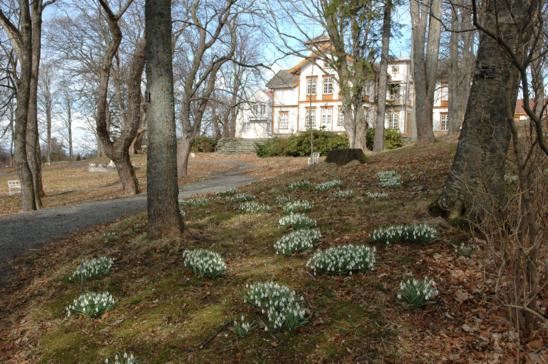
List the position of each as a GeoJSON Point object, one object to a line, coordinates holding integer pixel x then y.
{"type": "Point", "coordinates": [164, 218]}
{"type": "Point", "coordinates": [476, 180]}
{"type": "Point", "coordinates": [183, 152]}
{"type": "Point", "coordinates": [378, 144]}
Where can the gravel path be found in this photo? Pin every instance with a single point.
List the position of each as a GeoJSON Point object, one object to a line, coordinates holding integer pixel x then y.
{"type": "Point", "coordinates": [25, 231]}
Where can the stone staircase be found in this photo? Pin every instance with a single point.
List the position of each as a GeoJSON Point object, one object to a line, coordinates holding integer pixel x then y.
{"type": "Point", "coordinates": [237, 146]}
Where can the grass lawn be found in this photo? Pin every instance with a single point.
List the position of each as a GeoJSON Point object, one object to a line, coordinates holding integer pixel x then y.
{"type": "Point", "coordinates": [165, 314]}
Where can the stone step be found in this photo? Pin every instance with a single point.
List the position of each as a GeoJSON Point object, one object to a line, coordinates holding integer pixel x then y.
{"type": "Point", "coordinates": [237, 146]}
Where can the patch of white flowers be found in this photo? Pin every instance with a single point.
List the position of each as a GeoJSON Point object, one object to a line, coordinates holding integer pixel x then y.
{"type": "Point", "coordinates": [344, 259]}
{"type": "Point", "coordinates": [389, 179]}
{"type": "Point", "coordinates": [281, 305]}
{"type": "Point", "coordinates": [91, 268]}
{"type": "Point", "coordinates": [343, 193]}
{"type": "Point", "coordinates": [91, 304]}
{"type": "Point", "coordinates": [241, 197]}
{"type": "Point", "coordinates": [297, 241]}
{"type": "Point", "coordinates": [299, 185]}
{"type": "Point", "coordinates": [510, 178]}
{"type": "Point", "coordinates": [465, 250]}
{"type": "Point", "coordinates": [417, 293]}
{"type": "Point", "coordinates": [229, 192]}
{"type": "Point", "coordinates": [329, 185]}
{"type": "Point", "coordinates": [376, 195]}
{"type": "Point", "coordinates": [414, 233]}
{"type": "Point", "coordinates": [111, 237]}
{"type": "Point", "coordinates": [196, 202]}
{"type": "Point", "coordinates": [297, 206]}
{"type": "Point", "coordinates": [121, 358]}
{"type": "Point", "coordinates": [204, 263]}
{"type": "Point", "coordinates": [252, 207]}
{"type": "Point", "coordinates": [297, 221]}
{"type": "Point", "coordinates": [282, 200]}
{"type": "Point", "coordinates": [243, 328]}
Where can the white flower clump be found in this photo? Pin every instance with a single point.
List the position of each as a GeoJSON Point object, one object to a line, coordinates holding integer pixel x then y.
{"type": "Point", "coordinates": [282, 200]}
{"type": "Point", "coordinates": [297, 221]}
{"type": "Point", "coordinates": [343, 259]}
{"type": "Point", "coordinates": [297, 241]}
{"type": "Point", "coordinates": [510, 178]}
{"type": "Point", "coordinates": [376, 195]}
{"type": "Point", "coordinates": [417, 293]}
{"type": "Point", "coordinates": [196, 202]}
{"type": "Point", "coordinates": [111, 237]}
{"type": "Point", "coordinates": [325, 186]}
{"type": "Point", "coordinates": [92, 268]}
{"type": "Point", "coordinates": [343, 193]}
{"type": "Point", "coordinates": [281, 305]}
{"type": "Point", "coordinates": [229, 192]}
{"type": "Point", "coordinates": [205, 263]}
{"type": "Point", "coordinates": [414, 233]}
{"type": "Point", "coordinates": [299, 185]}
{"type": "Point", "coordinates": [240, 197]}
{"type": "Point", "coordinates": [297, 206]}
{"type": "Point", "coordinates": [243, 328]}
{"type": "Point", "coordinates": [465, 250]}
{"type": "Point", "coordinates": [91, 304]}
{"type": "Point", "coordinates": [389, 179]}
{"type": "Point", "coordinates": [122, 358]}
{"type": "Point", "coordinates": [253, 207]}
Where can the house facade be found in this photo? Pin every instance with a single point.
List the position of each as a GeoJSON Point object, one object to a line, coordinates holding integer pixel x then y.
{"type": "Point", "coordinates": [254, 120]}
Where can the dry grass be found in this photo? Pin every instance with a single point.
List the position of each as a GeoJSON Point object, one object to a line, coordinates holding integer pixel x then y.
{"type": "Point", "coordinates": [164, 313]}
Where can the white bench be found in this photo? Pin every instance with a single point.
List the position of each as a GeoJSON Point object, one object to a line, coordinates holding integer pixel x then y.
{"type": "Point", "coordinates": [14, 187]}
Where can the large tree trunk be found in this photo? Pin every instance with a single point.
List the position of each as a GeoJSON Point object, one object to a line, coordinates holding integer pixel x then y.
{"type": "Point", "coordinates": [476, 180]}
{"type": "Point", "coordinates": [426, 31]}
{"type": "Point", "coordinates": [164, 218]}
{"type": "Point", "coordinates": [126, 172]}
{"type": "Point", "coordinates": [378, 144]}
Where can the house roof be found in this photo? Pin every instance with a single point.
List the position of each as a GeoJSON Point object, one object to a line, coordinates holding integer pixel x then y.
{"type": "Point", "coordinates": [283, 79]}
{"type": "Point", "coordinates": [520, 110]}
{"type": "Point", "coordinates": [320, 39]}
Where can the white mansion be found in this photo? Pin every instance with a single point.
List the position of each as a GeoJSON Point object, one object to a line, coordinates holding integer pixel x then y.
{"type": "Point", "coordinates": [307, 95]}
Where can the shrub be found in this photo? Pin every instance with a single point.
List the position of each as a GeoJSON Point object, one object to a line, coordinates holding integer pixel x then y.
{"type": "Point", "coordinates": [297, 221]}
{"type": "Point", "coordinates": [196, 202]}
{"type": "Point", "coordinates": [417, 293]}
{"type": "Point", "coordinates": [204, 263]}
{"type": "Point", "coordinates": [92, 268]}
{"type": "Point", "coordinates": [204, 144]}
{"type": "Point", "coordinates": [329, 185]}
{"type": "Point", "coordinates": [376, 195]}
{"type": "Point", "coordinates": [253, 207]}
{"type": "Point", "coordinates": [121, 358]}
{"type": "Point", "coordinates": [243, 328]}
{"type": "Point", "coordinates": [297, 241]}
{"type": "Point", "coordinates": [343, 193]}
{"type": "Point", "coordinates": [281, 305]}
{"type": "Point", "coordinates": [274, 147]}
{"type": "Point", "coordinates": [297, 206]}
{"type": "Point", "coordinates": [414, 233]}
{"type": "Point", "coordinates": [392, 138]}
{"type": "Point", "coordinates": [91, 304]}
{"type": "Point", "coordinates": [324, 142]}
{"type": "Point", "coordinates": [240, 197]}
{"type": "Point", "coordinates": [299, 185]}
{"type": "Point", "coordinates": [389, 179]}
{"type": "Point", "coordinates": [344, 259]}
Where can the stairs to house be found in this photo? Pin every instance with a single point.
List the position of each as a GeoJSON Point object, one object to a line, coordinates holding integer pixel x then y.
{"type": "Point", "coordinates": [237, 146]}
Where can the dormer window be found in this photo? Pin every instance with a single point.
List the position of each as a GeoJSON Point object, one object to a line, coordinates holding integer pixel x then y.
{"type": "Point", "coordinates": [327, 85]}
{"type": "Point", "coordinates": [311, 86]}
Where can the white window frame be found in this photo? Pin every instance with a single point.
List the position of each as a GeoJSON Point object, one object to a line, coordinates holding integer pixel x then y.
{"type": "Point", "coordinates": [310, 117]}
{"type": "Point", "coordinates": [327, 118]}
{"type": "Point", "coordinates": [444, 119]}
{"type": "Point", "coordinates": [327, 85]}
{"type": "Point", "coordinates": [340, 116]}
{"type": "Point", "coordinates": [394, 120]}
{"type": "Point", "coordinates": [311, 86]}
{"type": "Point", "coordinates": [283, 120]}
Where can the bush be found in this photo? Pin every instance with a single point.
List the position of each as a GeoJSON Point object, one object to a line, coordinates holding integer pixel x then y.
{"type": "Point", "coordinates": [282, 306]}
{"type": "Point", "coordinates": [389, 179]}
{"type": "Point", "coordinates": [274, 147]}
{"type": "Point", "coordinates": [392, 138]}
{"type": "Point", "coordinates": [343, 259]}
{"type": "Point", "coordinates": [415, 233]}
{"type": "Point", "coordinates": [121, 358]}
{"type": "Point", "coordinates": [91, 304]}
{"type": "Point", "coordinates": [204, 263]}
{"type": "Point", "coordinates": [297, 241]}
{"type": "Point", "coordinates": [417, 293]}
{"type": "Point", "coordinates": [299, 145]}
{"type": "Point", "coordinates": [203, 144]}
{"type": "Point", "coordinates": [92, 268]}
{"type": "Point", "coordinates": [297, 206]}
{"type": "Point", "coordinates": [297, 221]}
{"type": "Point", "coordinates": [253, 207]}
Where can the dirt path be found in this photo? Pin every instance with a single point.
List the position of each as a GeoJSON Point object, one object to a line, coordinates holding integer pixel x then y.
{"type": "Point", "coordinates": [25, 231]}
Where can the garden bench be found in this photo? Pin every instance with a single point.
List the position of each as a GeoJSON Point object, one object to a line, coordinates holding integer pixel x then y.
{"type": "Point", "coordinates": [14, 187]}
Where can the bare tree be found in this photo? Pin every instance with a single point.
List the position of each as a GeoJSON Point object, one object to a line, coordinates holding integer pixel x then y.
{"type": "Point", "coordinates": [164, 218]}
{"type": "Point", "coordinates": [67, 103]}
{"type": "Point", "coordinates": [426, 29]}
{"type": "Point", "coordinates": [46, 101]}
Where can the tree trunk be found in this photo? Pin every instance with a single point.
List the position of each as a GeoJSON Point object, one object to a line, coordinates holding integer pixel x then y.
{"type": "Point", "coordinates": [476, 180]}
{"type": "Point", "coordinates": [183, 152]}
{"type": "Point", "coordinates": [164, 218]}
{"type": "Point", "coordinates": [378, 144]}
{"type": "Point", "coordinates": [48, 128]}
{"type": "Point", "coordinates": [126, 172]}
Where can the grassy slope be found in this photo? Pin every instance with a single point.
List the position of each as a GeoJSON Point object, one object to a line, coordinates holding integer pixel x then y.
{"type": "Point", "coordinates": [163, 312]}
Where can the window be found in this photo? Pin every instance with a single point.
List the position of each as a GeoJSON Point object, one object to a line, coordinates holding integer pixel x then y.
{"type": "Point", "coordinates": [340, 117]}
{"type": "Point", "coordinates": [394, 120]}
{"type": "Point", "coordinates": [327, 118]}
{"type": "Point", "coordinates": [328, 85]}
{"type": "Point", "coordinates": [394, 90]}
{"type": "Point", "coordinates": [258, 109]}
{"type": "Point", "coordinates": [444, 121]}
{"type": "Point", "coordinates": [444, 92]}
{"type": "Point", "coordinates": [395, 70]}
{"type": "Point", "coordinates": [283, 120]}
{"type": "Point", "coordinates": [311, 84]}
{"type": "Point", "coordinates": [310, 117]}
